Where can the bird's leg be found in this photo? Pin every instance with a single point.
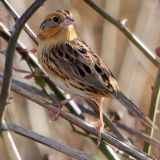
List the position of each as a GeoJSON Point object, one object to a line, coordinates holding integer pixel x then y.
{"type": "Point", "coordinates": [60, 104]}
{"type": "Point", "coordinates": [100, 125]}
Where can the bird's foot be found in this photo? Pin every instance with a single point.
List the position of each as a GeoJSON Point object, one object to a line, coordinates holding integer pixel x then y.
{"type": "Point", "coordinates": [99, 137]}
{"type": "Point", "coordinates": [100, 129]}
{"type": "Point", "coordinates": [59, 106]}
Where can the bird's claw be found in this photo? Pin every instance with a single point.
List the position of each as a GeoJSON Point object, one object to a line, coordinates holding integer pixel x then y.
{"type": "Point", "coordinates": [100, 128]}
{"type": "Point", "coordinates": [99, 136]}
{"type": "Point", "coordinates": [55, 116]}
{"type": "Point", "coordinates": [59, 107]}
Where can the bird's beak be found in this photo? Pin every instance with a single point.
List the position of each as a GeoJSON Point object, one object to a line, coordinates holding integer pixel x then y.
{"type": "Point", "coordinates": [68, 21]}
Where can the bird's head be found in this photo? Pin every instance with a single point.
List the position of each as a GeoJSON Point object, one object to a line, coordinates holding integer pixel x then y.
{"type": "Point", "coordinates": [57, 26]}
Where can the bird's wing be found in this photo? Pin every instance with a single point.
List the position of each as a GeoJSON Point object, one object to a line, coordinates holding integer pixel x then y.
{"type": "Point", "coordinates": [82, 64]}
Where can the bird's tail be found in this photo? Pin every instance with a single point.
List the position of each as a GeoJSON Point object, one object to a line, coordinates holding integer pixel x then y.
{"type": "Point", "coordinates": [134, 109]}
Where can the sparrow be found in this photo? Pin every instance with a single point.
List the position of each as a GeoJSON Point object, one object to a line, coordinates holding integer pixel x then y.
{"type": "Point", "coordinates": [75, 68]}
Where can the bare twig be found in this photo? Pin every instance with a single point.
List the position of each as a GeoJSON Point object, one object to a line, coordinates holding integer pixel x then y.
{"type": "Point", "coordinates": [32, 94]}
{"type": "Point", "coordinates": [10, 55]}
{"type": "Point", "coordinates": [105, 149]}
{"type": "Point", "coordinates": [10, 145]}
{"type": "Point", "coordinates": [16, 17]}
{"type": "Point", "coordinates": [48, 142]}
{"type": "Point", "coordinates": [138, 133]}
{"type": "Point", "coordinates": [121, 26]}
{"type": "Point", "coordinates": [153, 109]}
{"type": "Point", "coordinates": [8, 75]}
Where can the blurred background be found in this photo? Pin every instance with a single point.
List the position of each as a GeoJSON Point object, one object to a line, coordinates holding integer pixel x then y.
{"type": "Point", "coordinates": [134, 72]}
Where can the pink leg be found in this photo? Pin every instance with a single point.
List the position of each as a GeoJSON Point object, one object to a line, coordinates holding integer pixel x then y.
{"type": "Point", "coordinates": [100, 126]}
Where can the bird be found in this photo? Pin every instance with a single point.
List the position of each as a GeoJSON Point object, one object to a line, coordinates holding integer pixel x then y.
{"type": "Point", "coordinates": [75, 68]}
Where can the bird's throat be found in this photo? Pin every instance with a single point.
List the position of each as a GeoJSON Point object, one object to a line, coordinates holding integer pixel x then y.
{"type": "Point", "coordinates": [67, 34]}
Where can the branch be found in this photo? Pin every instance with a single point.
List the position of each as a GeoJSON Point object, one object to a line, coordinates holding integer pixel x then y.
{"type": "Point", "coordinates": [107, 150]}
{"type": "Point", "coordinates": [139, 134]}
{"type": "Point", "coordinates": [16, 17]}
{"type": "Point", "coordinates": [153, 109]}
{"type": "Point", "coordinates": [32, 93]}
{"type": "Point", "coordinates": [10, 55]}
{"type": "Point", "coordinates": [121, 26]}
{"type": "Point", "coordinates": [11, 148]}
{"type": "Point", "coordinates": [48, 142]}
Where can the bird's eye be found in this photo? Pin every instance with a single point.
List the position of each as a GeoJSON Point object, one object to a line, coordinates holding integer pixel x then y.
{"type": "Point", "coordinates": [56, 19]}
{"type": "Point", "coordinates": [51, 22]}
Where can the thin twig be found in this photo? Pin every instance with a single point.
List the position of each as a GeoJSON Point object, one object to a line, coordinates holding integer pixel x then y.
{"type": "Point", "coordinates": [105, 149]}
{"type": "Point", "coordinates": [139, 134]}
{"type": "Point", "coordinates": [10, 55]}
{"type": "Point", "coordinates": [121, 26]}
{"type": "Point", "coordinates": [8, 75]}
{"type": "Point", "coordinates": [31, 93]}
{"type": "Point", "coordinates": [9, 144]}
{"type": "Point", "coordinates": [48, 142]}
{"type": "Point", "coordinates": [16, 17]}
{"type": "Point", "coordinates": [153, 109]}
